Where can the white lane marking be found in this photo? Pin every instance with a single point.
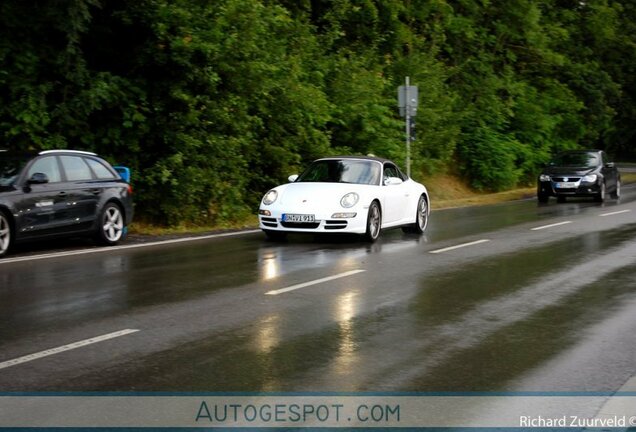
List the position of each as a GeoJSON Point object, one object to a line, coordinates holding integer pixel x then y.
{"type": "Point", "coordinates": [314, 282]}
{"type": "Point", "coordinates": [615, 213]}
{"type": "Point", "coordinates": [72, 346]}
{"type": "Point", "coordinates": [122, 247]}
{"type": "Point", "coordinates": [550, 226]}
{"type": "Point", "coordinates": [450, 248]}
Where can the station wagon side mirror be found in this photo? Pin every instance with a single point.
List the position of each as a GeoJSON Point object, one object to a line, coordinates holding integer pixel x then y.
{"type": "Point", "coordinates": [393, 181]}
{"type": "Point", "coordinates": [38, 178]}
{"type": "Point", "coordinates": [610, 165]}
{"type": "Point", "coordinates": [292, 178]}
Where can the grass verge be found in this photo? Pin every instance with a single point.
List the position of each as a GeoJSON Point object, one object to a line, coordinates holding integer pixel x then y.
{"type": "Point", "coordinates": [446, 192]}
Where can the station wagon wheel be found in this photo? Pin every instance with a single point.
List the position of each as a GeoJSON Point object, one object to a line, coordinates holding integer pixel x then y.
{"type": "Point", "coordinates": [5, 234]}
{"type": "Point", "coordinates": [374, 222]}
{"type": "Point", "coordinates": [111, 226]}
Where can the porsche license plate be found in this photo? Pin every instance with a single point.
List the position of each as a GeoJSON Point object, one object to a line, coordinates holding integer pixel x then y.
{"type": "Point", "coordinates": [565, 185]}
{"type": "Point", "coordinates": [300, 218]}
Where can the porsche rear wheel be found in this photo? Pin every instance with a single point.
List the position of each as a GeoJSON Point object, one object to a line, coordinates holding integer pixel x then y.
{"type": "Point", "coordinates": [374, 222]}
{"type": "Point", "coordinates": [421, 218]}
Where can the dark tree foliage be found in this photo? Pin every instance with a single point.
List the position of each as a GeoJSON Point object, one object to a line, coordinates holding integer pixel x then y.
{"type": "Point", "coordinates": [213, 102]}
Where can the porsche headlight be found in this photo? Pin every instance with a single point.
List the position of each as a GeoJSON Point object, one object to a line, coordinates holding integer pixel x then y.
{"type": "Point", "coordinates": [270, 197]}
{"type": "Point", "coordinates": [590, 178]}
{"type": "Point", "coordinates": [349, 200]}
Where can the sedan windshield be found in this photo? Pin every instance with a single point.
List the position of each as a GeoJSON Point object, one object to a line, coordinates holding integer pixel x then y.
{"type": "Point", "coordinates": [342, 171]}
{"type": "Point", "coordinates": [577, 159]}
{"type": "Point", "coordinates": [10, 167]}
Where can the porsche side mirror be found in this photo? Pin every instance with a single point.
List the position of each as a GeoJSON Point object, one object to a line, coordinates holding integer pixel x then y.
{"type": "Point", "coordinates": [393, 181]}
{"type": "Point", "coordinates": [292, 178]}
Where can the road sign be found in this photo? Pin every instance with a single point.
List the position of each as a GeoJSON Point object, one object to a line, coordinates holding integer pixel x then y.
{"type": "Point", "coordinates": [407, 103]}
{"type": "Point", "coordinates": [407, 100]}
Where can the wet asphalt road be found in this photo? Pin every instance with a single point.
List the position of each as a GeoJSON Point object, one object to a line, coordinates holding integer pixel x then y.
{"type": "Point", "coordinates": [525, 309]}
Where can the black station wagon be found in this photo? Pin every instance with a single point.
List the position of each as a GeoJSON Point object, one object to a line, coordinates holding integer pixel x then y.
{"type": "Point", "coordinates": [61, 193]}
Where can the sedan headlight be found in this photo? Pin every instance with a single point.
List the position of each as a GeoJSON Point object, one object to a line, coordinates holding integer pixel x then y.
{"type": "Point", "coordinates": [544, 178]}
{"type": "Point", "coordinates": [349, 200]}
{"type": "Point", "coordinates": [590, 178]}
{"type": "Point", "coordinates": [270, 197]}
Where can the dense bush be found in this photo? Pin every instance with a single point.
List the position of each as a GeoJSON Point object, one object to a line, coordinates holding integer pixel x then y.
{"type": "Point", "coordinates": [212, 103]}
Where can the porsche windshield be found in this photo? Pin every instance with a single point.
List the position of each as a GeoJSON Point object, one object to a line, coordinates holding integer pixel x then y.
{"type": "Point", "coordinates": [10, 167]}
{"type": "Point", "coordinates": [342, 171]}
{"type": "Point", "coordinates": [576, 159]}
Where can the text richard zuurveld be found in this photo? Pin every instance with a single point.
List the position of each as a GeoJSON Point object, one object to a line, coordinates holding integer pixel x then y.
{"type": "Point", "coordinates": [576, 421]}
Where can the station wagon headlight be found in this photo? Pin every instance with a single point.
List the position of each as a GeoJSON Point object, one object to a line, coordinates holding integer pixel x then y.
{"type": "Point", "coordinates": [590, 178]}
{"type": "Point", "coordinates": [544, 178]}
{"type": "Point", "coordinates": [349, 200]}
{"type": "Point", "coordinates": [270, 197]}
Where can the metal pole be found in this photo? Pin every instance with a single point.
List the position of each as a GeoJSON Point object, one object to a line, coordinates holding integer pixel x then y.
{"type": "Point", "coordinates": [408, 127]}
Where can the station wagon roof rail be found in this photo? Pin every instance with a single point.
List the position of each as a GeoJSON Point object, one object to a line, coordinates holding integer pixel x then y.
{"type": "Point", "coordinates": [67, 151]}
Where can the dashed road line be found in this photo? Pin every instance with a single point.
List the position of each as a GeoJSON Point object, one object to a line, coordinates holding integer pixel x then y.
{"type": "Point", "coordinates": [314, 282]}
{"type": "Point", "coordinates": [463, 245]}
{"type": "Point", "coordinates": [63, 348]}
{"type": "Point", "coordinates": [550, 226]}
{"type": "Point", "coordinates": [615, 213]}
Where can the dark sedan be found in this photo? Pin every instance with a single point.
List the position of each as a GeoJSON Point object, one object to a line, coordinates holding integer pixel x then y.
{"type": "Point", "coordinates": [579, 173]}
{"type": "Point", "coordinates": [61, 193]}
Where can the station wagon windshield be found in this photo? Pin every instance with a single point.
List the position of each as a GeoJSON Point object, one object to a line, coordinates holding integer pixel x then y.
{"type": "Point", "coordinates": [10, 168]}
{"type": "Point", "coordinates": [576, 160]}
{"type": "Point", "coordinates": [342, 171]}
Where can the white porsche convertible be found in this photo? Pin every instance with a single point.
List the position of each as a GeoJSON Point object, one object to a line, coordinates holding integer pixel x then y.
{"type": "Point", "coordinates": [346, 194]}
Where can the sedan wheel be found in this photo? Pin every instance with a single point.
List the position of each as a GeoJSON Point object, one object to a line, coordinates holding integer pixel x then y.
{"type": "Point", "coordinates": [600, 197]}
{"type": "Point", "coordinates": [374, 222]}
{"type": "Point", "coordinates": [111, 228]}
{"type": "Point", "coordinates": [617, 193]}
{"type": "Point", "coordinates": [5, 234]}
